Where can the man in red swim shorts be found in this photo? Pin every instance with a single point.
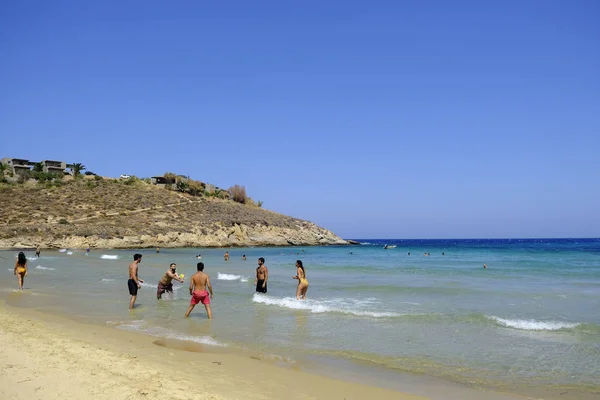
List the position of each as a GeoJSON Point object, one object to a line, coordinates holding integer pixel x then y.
{"type": "Point", "coordinates": [198, 285]}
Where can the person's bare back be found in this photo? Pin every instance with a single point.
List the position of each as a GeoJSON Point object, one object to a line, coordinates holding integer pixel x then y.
{"type": "Point", "coordinates": [198, 285]}
{"type": "Point", "coordinates": [199, 281]}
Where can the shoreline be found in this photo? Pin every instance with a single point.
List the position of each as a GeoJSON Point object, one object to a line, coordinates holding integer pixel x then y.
{"type": "Point", "coordinates": [47, 356]}
{"type": "Point", "coordinates": [111, 363]}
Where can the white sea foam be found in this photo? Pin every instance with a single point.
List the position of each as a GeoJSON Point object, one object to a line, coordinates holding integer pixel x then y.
{"type": "Point", "coordinates": [345, 306]}
{"type": "Point", "coordinates": [32, 258]}
{"type": "Point", "coordinates": [108, 257]}
{"type": "Point", "coordinates": [107, 280]}
{"type": "Point", "coordinates": [533, 325]}
{"type": "Point", "coordinates": [63, 250]}
{"type": "Point", "coordinates": [44, 268]}
{"type": "Point", "coordinates": [70, 253]}
{"type": "Point", "coordinates": [158, 331]}
{"type": "Point", "coordinates": [231, 277]}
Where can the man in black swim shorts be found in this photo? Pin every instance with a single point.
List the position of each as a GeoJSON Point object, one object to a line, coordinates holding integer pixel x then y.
{"type": "Point", "coordinates": [262, 275]}
{"type": "Point", "coordinates": [134, 282]}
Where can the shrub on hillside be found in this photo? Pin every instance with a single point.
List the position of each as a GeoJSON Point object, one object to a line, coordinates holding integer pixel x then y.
{"type": "Point", "coordinates": [170, 177]}
{"type": "Point", "coordinates": [182, 186]}
{"type": "Point", "coordinates": [238, 193]}
{"type": "Point", "coordinates": [195, 188]}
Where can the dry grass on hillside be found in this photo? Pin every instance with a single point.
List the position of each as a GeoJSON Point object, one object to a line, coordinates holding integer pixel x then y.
{"type": "Point", "coordinates": [111, 208]}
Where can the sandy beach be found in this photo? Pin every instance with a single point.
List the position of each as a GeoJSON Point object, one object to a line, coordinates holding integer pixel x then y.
{"type": "Point", "coordinates": [49, 357]}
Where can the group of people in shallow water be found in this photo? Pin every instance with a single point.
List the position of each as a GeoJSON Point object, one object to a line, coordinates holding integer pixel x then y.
{"type": "Point", "coordinates": [200, 288]}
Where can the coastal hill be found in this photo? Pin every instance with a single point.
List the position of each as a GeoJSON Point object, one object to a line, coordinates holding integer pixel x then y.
{"type": "Point", "coordinates": [115, 213]}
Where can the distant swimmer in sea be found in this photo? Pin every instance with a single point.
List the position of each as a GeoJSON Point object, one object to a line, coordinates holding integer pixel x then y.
{"type": "Point", "coordinates": [165, 284]}
{"type": "Point", "coordinates": [21, 269]}
{"type": "Point", "coordinates": [409, 253]}
{"type": "Point", "coordinates": [226, 256]}
{"type": "Point", "coordinates": [87, 251]}
{"type": "Point", "coordinates": [38, 251]}
{"type": "Point", "coordinates": [244, 257]}
{"type": "Point", "coordinates": [198, 285]}
{"type": "Point", "coordinates": [302, 281]}
{"type": "Point", "coordinates": [262, 276]}
{"type": "Point", "coordinates": [134, 282]}
{"type": "Point", "coordinates": [199, 256]}
{"type": "Point", "coordinates": [484, 266]}
{"type": "Point", "coordinates": [158, 249]}
{"type": "Point", "coordinates": [443, 253]}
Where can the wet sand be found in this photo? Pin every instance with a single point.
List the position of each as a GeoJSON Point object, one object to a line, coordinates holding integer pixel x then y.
{"type": "Point", "coordinates": [51, 357]}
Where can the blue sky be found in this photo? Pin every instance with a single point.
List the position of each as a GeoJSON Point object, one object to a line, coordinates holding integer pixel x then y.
{"type": "Point", "coordinates": [389, 119]}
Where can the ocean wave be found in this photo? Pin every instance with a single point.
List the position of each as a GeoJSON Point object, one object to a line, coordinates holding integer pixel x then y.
{"type": "Point", "coordinates": [365, 243]}
{"type": "Point", "coordinates": [231, 277]}
{"type": "Point", "coordinates": [160, 332]}
{"type": "Point", "coordinates": [44, 268]}
{"type": "Point", "coordinates": [107, 280]}
{"type": "Point", "coordinates": [70, 253]}
{"type": "Point", "coordinates": [108, 257]}
{"type": "Point", "coordinates": [32, 258]}
{"type": "Point", "coordinates": [533, 325]}
{"type": "Point", "coordinates": [344, 306]}
{"type": "Point", "coordinates": [63, 250]}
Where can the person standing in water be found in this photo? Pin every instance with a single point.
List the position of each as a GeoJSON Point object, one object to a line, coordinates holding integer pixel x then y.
{"type": "Point", "coordinates": [21, 269]}
{"type": "Point", "coordinates": [165, 285]}
{"type": "Point", "coordinates": [226, 256]}
{"type": "Point", "coordinates": [198, 284]}
{"type": "Point", "coordinates": [134, 282]}
{"type": "Point", "coordinates": [302, 281]}
{"type": "Point", "coordinates": [262, 276]}
{"type": "Point", "coordinates": [38, 251]}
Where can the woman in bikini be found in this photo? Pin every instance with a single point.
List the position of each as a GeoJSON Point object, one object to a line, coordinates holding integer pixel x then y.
{"type": "Point", "coordinates": [21, 269]}
{"type": "Point", "coordinates": [302, 281]}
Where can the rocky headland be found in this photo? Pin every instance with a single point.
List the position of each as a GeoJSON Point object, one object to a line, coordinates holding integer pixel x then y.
{"type": "Point", "coordinates": [111, 213]}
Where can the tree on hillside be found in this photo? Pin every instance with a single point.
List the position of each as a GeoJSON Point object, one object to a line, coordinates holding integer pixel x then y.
{"type": "Point", "coordinates": [77, 168]}
{"type": "Point", "coordinates": [238, 193]}
{"type": "Point", "coordinates": [38, 167]}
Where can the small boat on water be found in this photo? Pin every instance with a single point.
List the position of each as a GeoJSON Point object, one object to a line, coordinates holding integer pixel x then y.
{"type": "Point", "coordinates": [389, 246]}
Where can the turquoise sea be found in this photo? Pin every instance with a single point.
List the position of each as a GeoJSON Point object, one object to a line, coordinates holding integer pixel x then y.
{"type": "Point", "coordinates": [528, 324]}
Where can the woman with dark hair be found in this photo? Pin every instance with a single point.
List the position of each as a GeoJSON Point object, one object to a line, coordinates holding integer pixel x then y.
{"type": "Point", "coordinates": [21, 268]}
{"type": "Point", "coordinates": [302, 281]}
